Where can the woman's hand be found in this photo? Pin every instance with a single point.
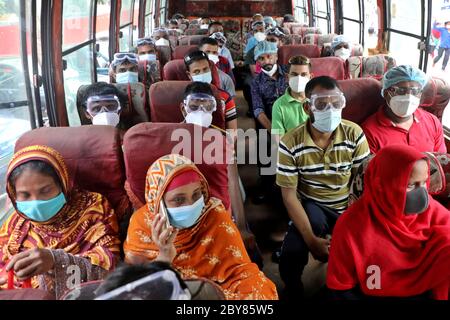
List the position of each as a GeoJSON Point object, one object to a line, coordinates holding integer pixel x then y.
{"type": "Point", "coordinates": [164, 238]}
{"type": "Point", "coordinates": [31, 263]}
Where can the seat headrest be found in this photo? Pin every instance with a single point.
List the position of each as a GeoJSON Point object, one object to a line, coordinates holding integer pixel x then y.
{"type": "Point", "coordinates": [165, 55]}
{"type": "Point", "coordinates": [94, 159]}
{"type": "Point", "coordinates": [190, 40]}
{"type": "Point", "coordinates": [161, 139]}
{"type": "Point", "coordinates": [165, 100]}
{"type": "Point", "coordinates": [137, 111]}
{"type": "Point", "coordinates": [181, 51]}
{"type": "Point", "coordinates": [175, 70]}
{"type": "Point", "coordinates": [436, 96]}
{"type": "Point", "coordinates": [328, 66]}
{"type": "Point", "coordinates": [373, 66]}
{"type": "Point", "coordinates": [287, 51]}
{"type": "Point", "coordinates": [363, 98]}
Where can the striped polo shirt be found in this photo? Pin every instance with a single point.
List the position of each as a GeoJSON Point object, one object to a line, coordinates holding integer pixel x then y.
{"type": "Point", "coordinates": [323, 176]}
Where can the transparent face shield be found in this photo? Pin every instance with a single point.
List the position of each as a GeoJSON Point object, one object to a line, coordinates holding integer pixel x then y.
{"type": "Point", "coordinates": [98, 104]}
{"type": "Point", "coordinates": [324, 102]}
{"type": "Point", "coordinates": [200, 102]}
{"type": "Point", "coordinates": [162, 285]}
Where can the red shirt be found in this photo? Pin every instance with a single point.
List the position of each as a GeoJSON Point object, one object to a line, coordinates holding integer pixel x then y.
{"type": "Point", "coordinates": [425, 135]}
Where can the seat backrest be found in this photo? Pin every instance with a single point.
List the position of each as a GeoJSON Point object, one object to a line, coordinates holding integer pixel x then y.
{"type": "Point", "coordinates": [436, 96]}
{"type": "Point", "coordinates": [182, 51]}
{"type": "Point", "coordinates": [175, 70]}
{"type": "Point", "coordinates": [158, 139]}
{"type": "Point", "coordinates": [301, 30]}
{"type": "Point", "coordinates": [150, 72]}
{"type": "Point", "coordinates": [136, 93]}
{"type": "Point", "coordinates": [291, 25]}
{"type": "Point", "coordinates": [165, 55]}
{"type": "Point", "coordinates": [190, 40]}
{"type": "Point", "coordinates": [318, 39]}
{"type": "Point", "coordinates": [328, 66]}
{"type": "Point", "coordinates": [93, 155]}
{"type": "Point", "coordinates": [286, 52]}
{"type": "Point", "coordinates": [166, 97]}
{"type": "Point", "coordinates": [370, 67]}
{"type": "Point", "coordinates": [356, 51]}
{"type": "Point", "coordinates": [291, 39]}
{"type": "Point", "coordinates": [363, 98]}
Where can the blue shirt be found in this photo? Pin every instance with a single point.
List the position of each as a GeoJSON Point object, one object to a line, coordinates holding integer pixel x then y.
{"type": "Point", "coordinates": [266, 90]}
{"type": "Point", "coordinates": [445, 36]}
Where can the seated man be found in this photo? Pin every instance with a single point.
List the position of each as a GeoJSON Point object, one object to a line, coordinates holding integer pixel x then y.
{"type": "Point", "coordinates": [210, 46]}
{"type": "Point", "coordinates": [199, 69]}
{"type": "Point", "coordinates": [256, 18]}
{"type": "Point", "coordinates": [341, 47]}
{"type": "Point", "coordinates": [288, 18]}
{"type": "Point", "coordinates": [124, 68]}
{"type": "Point", "coordinates": [149, 67]}
{"type": "Point", "coordinates": [204, 23]}
{"type": "Point", "coordinates": [161, 37]}
{"type": "Point", "coordinates": [216, 32]}
{"type": "Point", "coordinates": [288, 112]}
{"type": "Point", "coordinates": [316, 163]}
{"type": "Point", "coordinates": [257, 35]}
{"type": "Point", "coordinates": [146, 49]}
{"type": "Point", "coordinates": [173, 24]}
{"type": "Point", "coordinates": [400, 120]}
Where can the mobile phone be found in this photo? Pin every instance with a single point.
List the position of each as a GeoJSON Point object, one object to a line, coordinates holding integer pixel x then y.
{"type": "Point", "coordinates": [164, 213]}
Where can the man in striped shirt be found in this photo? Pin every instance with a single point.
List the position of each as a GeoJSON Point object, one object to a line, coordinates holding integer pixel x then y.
{"type": "Point", "coordinates": [316, 163]}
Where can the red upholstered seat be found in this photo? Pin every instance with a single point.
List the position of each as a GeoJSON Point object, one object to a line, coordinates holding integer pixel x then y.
{"type": "Point", "coordinates": [164, 54]}
{"type": "Point", "coordinates": [286, 52]}
{"type": "Point", "coordinates": [328, 66]}
{"type": "Point", "coordinates": [363, 98]}
{"type": "Point", "coordinates": [157, 139]}
{"type": "Point", "coordinates": [93, 155]}
{"type": "Point", "coordinates": [175, 70]}
{"type": "Point", "coordinates": [436, 96]}
{"type": "Point", "coordinates": [166, 97]}
{"type": "Point", "coordinates": [190, 40]}
{"type": "Point", "coordinates": [181, 51]}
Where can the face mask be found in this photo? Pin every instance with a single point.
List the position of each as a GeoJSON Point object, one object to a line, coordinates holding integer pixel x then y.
{"type": "Point", "coordinates": [214, 58]}
{"type": "Point", "coordinates": [200, 118]}
{"type": "Point", "coordinates": [42, 210]}
{"type": "Point", "coordinates": [187, 216]}
{"type": "Point", "coordinates": [343, 53]}
{"type": "Point", "coordinates": [404, 106]}
{"type": "Point", "coordinates": [162, 42]}
{"type": "Point", "coordinates": [106, 119]}
{"type": "Point", "coordinates": [204, 77]}
{"type": "Point", "coordinates": [147, 57]}
{"type": "Point", "coordinates": [271, 71]}
{"type": "Point", "coordinates": [416, 201]}
{"type": "Point", "coordinates": [127, 77]}
{"type": "Point", "coordinates": [327, 121]}
{"type": "Point", "coordinates": [260, 36]}
{"type": "Point", "coordinates": [204, 26]}
{"type": "Point", "coordinates": [298, 83]}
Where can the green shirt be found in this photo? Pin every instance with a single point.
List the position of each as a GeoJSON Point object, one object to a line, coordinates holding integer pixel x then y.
{"type": "Point", "coordinates": [323, 176]}
{"type": "Point", "coordinates": [287, 114]}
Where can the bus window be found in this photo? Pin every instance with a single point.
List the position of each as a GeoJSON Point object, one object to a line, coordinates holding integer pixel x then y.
{"type": "Point", "coordinates": [136, 22]}
{"type": "Point", "coordinates": [102, 39]}
{"type": "Point", "coordinates": [321, 15]}
{"type": "Point", "coordinates": [352, 20]}
{"type": "Point", "coordinates": [14, 114]}
{"type": "Point", "coordinates": [371, 24]}
{"type": "Point", "coordinates": [301, 11]}
{"type": "Point", "coordinates": [163, 12]}
{"type": "Point", "coordinates": [78, 52]}
{"type": "Point", "coordinates": [149, 9]}
{"type": "Point", "coordinates": [126, 24]}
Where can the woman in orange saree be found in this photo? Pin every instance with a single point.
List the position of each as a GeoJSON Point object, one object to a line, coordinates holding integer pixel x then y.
{"type": "Point", "coordinates": [208, 247]}
{"type": "Point", "coordinates": [58, 236]}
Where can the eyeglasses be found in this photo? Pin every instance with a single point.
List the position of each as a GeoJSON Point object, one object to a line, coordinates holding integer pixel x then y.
{"type": "Point", "coordinates": [121, 57]}
{"type": "Point", "coordinates": [99, 104]}
{"type": "Point", "coordinates": [194, 56]}
{"type": "Point", "coordinates": [325, 102]}
{"type": "Point", "coordinates": [200, 101]}
{"type": "Point", "coordinates": [145, 41]}
{"type": "Point", "coordinates": [401, 91]}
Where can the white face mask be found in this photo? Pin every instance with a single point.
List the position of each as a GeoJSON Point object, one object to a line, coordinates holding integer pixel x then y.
{"type": "Point", "coordinates": [214, 58]}
{"type": "Point", "coordinates": [200, 118]}
{"type": "Point", "coordinates": [162, 42]}
{"type": "Point", "coordinates": [260, 36]}
{"type": "Point", "coordinates": [343, 53]}
{"type": "Point", "coordinates": [298, 83]}
{"type": "Point", "coordinates": [272, 71]}
{"type": "Point", "coordinates": [204, 26]}
{"type": "Point", "coordinates": [147, 57]}
{"type": "Point", "coordinates": [106, 119]}
{"type": "Point", "coordinates": [404, 106]}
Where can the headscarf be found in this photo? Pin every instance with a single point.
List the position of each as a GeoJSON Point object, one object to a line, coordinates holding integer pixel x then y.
{"type": "Point", "coordinates": [265, 47]}
{"type": "Point", "coordinates": [212, 248]}
{"type": "Point", "coordinates": [401, 74]}
{"type": "Point", "coordinates": [86, 226]}
{"type": "Point", "coordinates": [412, 252]}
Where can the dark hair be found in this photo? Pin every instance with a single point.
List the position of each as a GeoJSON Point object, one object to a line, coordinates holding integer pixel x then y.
{"type": "Point", "coordinates": [446, 23]}
{"type": "Point", "coordinates": [194, 56]}
{"type": "Point", "coordinates": [177, 16]}
{"type": "Point", "coordinates": [173, 21]}
{"type": "Point", "coordinates": [37, 166]}
{"type": "Point", "coordinates": [208, 40]}
{"type": "Point", "coordinates": [288, 18]}
{"type": "Point", "coordinates": [323, 82]}
{"type": "Point", "coordinates": [198, 87]}
{"type": "Point", "coordinates": [129, 273]}
{"type": "Point", "coordinates": [98, 89]}
{"type": "Point", "coordinates": [299, 61]}
{"type": "Point", "coordinates": [215, 23]}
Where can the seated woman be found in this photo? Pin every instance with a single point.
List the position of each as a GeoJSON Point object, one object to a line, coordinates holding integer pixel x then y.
{"type": "Point", "coordinates": [58, 235]}
{"type": "Point", "coordinates": [198, 235]}
{"type": "Point", "coordinates": [395, 240]}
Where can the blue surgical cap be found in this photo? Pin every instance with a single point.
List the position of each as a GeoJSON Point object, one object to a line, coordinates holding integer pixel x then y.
{"type": "Point", "coordinates": [269, 21]}
{"type": "Point", "coordinates": [403, 73]}
{"type": "Point", "coordinates": [338, 40]}
{"type": "Point", "coordinates": [265, 47]}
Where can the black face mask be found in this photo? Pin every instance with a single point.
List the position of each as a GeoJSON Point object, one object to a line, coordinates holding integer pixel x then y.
{"type": "Point", "coordinates": [416, 201]}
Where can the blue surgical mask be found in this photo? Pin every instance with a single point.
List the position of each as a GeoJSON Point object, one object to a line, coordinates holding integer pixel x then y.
{"type": "Point", "coordinates": [148, 57]}
{"type": "Point", "coordinates": [187, 216]}
{"type": "Point", "coordinates": [42, 210]}
{"type": "Point", "coordinates": [327, 121]}
{"type": "Point", "coordinates": [127, 77]}
{"type": "Point", "coordinates": [204, 77]}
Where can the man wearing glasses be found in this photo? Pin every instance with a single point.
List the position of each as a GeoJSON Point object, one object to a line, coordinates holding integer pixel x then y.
{"type": "Point", "coordinates": [400, 120]}
{"type": "Point", "coordinates": [316, 162]}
